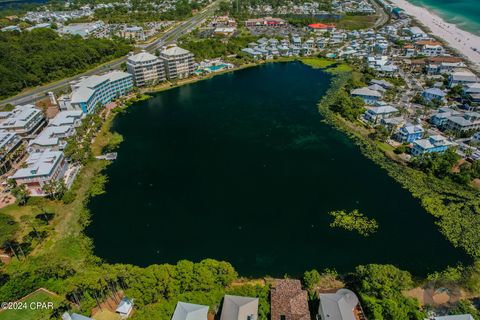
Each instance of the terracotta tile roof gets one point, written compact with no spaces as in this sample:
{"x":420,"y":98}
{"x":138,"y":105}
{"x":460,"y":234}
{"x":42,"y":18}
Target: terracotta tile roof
{"x":289,"y":300}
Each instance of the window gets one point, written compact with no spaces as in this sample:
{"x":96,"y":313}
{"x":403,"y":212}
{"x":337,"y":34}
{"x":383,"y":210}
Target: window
{"x":283,"y":317}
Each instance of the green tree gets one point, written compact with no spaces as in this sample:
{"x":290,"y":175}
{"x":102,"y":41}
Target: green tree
{"x":311,"y":279}
{"x":21,"y":193}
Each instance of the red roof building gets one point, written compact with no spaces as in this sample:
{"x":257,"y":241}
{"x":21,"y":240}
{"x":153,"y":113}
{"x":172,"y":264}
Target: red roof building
{"x":322,"y":27}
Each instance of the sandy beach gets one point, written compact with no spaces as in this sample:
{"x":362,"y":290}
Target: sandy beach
{"x":463,"y":41}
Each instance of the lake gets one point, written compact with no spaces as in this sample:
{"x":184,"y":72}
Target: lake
{"x":240,"y":167}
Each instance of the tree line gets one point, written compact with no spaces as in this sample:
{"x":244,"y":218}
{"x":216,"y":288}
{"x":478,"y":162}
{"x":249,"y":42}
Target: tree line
{"x":29,"y":59}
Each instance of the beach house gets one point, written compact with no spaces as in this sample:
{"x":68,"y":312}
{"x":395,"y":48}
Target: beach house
{"x":239,"y":308}
{"x":434,"y":94}
{"x":432,"y":144}
{"x":368,"y":95}
{"x":375,"y":114}
{"x":462,"y":77}
{"x":190,"y":311}
{"x":409,"y":133}
{"x":341,"y":305}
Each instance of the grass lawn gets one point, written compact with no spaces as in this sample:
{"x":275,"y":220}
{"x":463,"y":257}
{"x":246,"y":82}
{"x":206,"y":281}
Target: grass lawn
{"x":329,"y":65}
{"x":32,"y":312}
{"x":318,"y":63}
{"x":357,"y":22}
{"x":106,"y":315}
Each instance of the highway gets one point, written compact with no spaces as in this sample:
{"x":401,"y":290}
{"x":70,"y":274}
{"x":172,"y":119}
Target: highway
{"x":37,"y":93}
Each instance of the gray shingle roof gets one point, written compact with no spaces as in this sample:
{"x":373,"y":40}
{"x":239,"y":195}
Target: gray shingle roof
{"x":239,"y":308}
{"x":190,"y":311}
{"x":339,"y":305}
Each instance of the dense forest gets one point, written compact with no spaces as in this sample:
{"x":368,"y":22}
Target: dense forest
{"x":33,"y":58}
{"x":146,"y":12}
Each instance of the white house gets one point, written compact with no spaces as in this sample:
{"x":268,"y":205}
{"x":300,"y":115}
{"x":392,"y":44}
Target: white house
{"x":125,"y":307}
{"x":375,"y":114}
{"x":368,"y":95}
{"x":190,"y":311}
{"x":462,"y":77}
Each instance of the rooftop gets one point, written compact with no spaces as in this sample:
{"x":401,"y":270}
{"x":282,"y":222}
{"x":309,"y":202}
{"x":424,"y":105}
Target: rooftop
{"x":239,"y":308}
{"x":39,"y":164}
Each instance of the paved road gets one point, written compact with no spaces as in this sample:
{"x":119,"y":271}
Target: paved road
{"x":383,"y":19}
{"x":170,"y":36}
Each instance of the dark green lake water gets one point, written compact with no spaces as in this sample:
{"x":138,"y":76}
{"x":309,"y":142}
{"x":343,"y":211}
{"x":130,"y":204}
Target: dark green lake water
{"x":240,"y":168}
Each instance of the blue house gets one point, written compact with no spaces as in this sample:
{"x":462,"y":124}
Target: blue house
{"x":433,"y":94}
{"x":440,"y":119}
{"x":409,"y":133}
{"x":432,"y":144}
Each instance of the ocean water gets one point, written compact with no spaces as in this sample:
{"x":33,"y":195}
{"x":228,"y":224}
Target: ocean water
{"x":463,"y":13}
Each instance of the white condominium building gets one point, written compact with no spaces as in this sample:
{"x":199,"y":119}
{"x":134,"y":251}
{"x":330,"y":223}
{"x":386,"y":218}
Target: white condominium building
{"x":23,"y":120}
{"x":41,"y":168}
{"x":178,"y":62}
{"x":91,"y":92}
{"x":145,"y":68}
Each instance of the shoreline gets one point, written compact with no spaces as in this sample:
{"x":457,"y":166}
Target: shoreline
{"x":460,"y":40}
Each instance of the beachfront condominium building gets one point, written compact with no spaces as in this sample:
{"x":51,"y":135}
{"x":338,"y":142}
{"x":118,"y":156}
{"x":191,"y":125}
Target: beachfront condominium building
{"x":145,"y":68}
{"x":41,"y":168}
{"x":178,"y":62}
{"x":91,"y":92}
{"x":23,"y":120}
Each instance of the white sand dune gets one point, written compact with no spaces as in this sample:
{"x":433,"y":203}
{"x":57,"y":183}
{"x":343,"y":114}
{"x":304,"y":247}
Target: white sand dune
{"x":464,"y":42}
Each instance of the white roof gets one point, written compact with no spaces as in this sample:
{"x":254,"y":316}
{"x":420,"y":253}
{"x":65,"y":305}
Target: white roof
{"x":435,"y":91}
{"x":366,"y":92}
{"x":190,"y":311}
{"x":455,"y":317}
{"x":19,"y":117}
{"x":125,"y":306}
{"x":432,"y":142}
{"x":85,"y":88}
{"x":174,"y":51}
{"x":239,"y":308}
{"x":464,"y":75}
{"x":5,"y":138}
{"x":382,"y":110}
{"x":412,"y":128}
{"x":142,"y":57}
{"x":65,"y":117}
{"x":339,"y":305}
{"x":39,"y":164}
{"x":49,"y":136}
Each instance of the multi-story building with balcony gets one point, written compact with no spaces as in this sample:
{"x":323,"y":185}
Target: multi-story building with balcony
{"x":178,"y":62}
{"x":23,"y":120}
{"x":146,"y":69}
{"x":41,"y":168}
{"x":95,"y":91}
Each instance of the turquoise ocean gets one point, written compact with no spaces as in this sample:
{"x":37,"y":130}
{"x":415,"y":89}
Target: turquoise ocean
{"x":463,"y":13}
